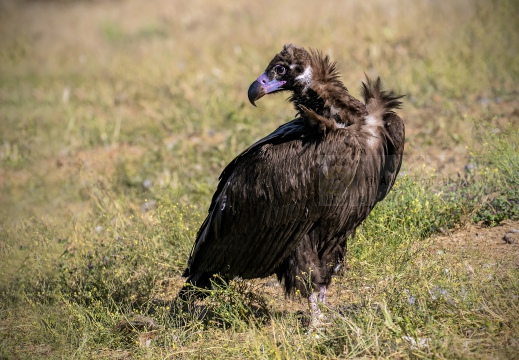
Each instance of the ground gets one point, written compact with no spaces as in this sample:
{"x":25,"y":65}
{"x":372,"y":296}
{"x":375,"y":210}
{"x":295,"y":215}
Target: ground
{"x":116,"y":119}
{"x":500,"y":243}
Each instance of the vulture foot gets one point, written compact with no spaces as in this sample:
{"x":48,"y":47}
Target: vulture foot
{"x":318,"y":319}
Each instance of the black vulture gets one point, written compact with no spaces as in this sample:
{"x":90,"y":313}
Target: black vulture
{"x":288,"y":203}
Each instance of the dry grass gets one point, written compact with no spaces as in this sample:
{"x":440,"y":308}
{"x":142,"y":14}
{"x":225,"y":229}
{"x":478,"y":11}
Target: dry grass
{"x":117,"y":117}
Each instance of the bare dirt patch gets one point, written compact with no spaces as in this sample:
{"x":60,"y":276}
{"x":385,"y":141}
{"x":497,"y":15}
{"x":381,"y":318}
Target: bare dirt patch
{"x":500,"y":243}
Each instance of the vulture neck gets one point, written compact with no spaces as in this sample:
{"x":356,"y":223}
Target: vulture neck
{"x":330,"y":100}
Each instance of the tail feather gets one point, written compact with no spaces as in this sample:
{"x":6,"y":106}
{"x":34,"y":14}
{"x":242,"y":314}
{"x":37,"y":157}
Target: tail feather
{"x":379,"y":102}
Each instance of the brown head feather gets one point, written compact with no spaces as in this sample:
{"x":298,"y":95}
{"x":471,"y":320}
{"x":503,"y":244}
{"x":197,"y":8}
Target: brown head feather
{"x":324,"y":70}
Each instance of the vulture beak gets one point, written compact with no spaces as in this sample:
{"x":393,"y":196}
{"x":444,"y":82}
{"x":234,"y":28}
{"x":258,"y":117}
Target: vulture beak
{"x":263,"y":86}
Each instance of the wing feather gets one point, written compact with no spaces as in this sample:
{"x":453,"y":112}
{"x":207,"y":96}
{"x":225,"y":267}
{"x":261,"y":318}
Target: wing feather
{"x":266,"y":201}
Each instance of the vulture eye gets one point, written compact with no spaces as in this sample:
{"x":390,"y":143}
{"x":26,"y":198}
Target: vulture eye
{"x":280,"y":70}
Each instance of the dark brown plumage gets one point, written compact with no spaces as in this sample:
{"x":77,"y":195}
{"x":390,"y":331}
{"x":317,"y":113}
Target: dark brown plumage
{"x":288,"y":203}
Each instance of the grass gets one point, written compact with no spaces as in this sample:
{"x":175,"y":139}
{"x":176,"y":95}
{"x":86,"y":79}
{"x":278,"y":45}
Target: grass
{"x":116,"y":120}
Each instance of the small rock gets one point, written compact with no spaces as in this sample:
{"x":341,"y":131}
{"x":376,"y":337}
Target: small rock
{"x":418,"y":343}
{"x":147,"y":183}
{"x":136,"y":323}
{"x":510,"y":237}
{"x":148,"y":205}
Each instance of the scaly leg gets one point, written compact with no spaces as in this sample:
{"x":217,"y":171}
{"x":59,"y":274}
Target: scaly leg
{"x":315,"y":312}
{"x":322,"y":294}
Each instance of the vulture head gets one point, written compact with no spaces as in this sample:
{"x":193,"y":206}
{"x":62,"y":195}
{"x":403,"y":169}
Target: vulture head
{"x":312,"y":78}
{"x":290,"y":70}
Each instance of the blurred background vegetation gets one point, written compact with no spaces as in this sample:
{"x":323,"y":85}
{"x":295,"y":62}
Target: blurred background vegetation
{"x":116,"y":118}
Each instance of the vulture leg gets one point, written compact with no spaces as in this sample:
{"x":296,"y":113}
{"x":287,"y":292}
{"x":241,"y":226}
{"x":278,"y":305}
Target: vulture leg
{"x":318,"y":319}
{"x":315,"y":312}
{"x":322,"y":294}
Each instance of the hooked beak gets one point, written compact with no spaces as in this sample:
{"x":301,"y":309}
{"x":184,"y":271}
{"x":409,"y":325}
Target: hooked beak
{"x":263,"y":86}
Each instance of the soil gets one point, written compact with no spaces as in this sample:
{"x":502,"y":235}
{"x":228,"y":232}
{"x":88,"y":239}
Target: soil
{"x":500,"y":243}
